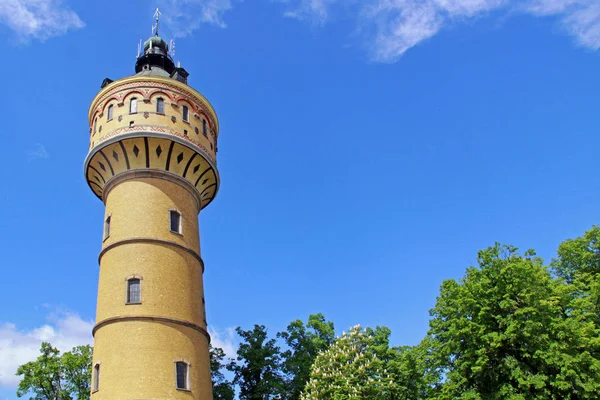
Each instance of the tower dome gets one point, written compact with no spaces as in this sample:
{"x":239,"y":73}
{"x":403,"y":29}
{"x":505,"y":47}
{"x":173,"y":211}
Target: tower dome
{"x":155,"y":55}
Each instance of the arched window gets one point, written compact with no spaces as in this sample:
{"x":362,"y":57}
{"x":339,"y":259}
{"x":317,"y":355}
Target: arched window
{"x":109,"y":113}
{"x":204,"y":127}
{"x":96,"y":378}
{"x":185,"y":113}
{"x":182,"y":370}
{"x":107,"y":227}
{"x":175,"y":221}
{"x":133,"y":106}
{"x":160,"y":105}
{"x":134,"y":291}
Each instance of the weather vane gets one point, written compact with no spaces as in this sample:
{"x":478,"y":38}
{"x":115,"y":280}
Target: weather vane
{"x":155,"y":27}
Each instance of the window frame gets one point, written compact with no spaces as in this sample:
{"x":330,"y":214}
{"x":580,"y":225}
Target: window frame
{"x":107,"y":223}
{"x":188,"y":383}
{"x":133,"y":105}
{"x":96,"y":377}
{"x":180,"y":225}
{"x":160,"y":105}
{"x":185,"y":113}
{"x":109,"y":113}
{"x":127,"y":289}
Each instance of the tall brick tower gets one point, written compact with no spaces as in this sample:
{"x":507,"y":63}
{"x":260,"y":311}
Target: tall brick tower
{"x":152,"y":161}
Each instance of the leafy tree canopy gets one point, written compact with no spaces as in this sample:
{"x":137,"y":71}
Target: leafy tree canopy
{"x":257,"y":370}
{"x":304,"y":344}
{"x":508,"y":330}
{"x":350,"y":370}
{"x":56,"y":377}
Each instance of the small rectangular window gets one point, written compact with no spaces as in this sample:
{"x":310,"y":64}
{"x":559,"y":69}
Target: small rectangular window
{"x":175,"y":222}
{"x":107,"y":227}
{"x":96,"y":378}
{"x":182,"y":375}
{"x":160,"y":105}
{"x":133,"y":106}
{"x":204,"y":127}
{"x":133,"y":291}
{"x":185,"y":112}
{"x":109,"y":113}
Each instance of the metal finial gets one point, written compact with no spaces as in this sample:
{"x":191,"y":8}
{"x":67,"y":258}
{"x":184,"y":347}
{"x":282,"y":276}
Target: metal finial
{"x":139,"y":49}
{"x":156,"y":16}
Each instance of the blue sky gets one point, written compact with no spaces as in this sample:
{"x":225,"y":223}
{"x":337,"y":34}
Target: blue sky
{"x":368,"y":150}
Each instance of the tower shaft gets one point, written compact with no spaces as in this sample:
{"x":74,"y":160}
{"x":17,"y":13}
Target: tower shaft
{"x":140,"y":343}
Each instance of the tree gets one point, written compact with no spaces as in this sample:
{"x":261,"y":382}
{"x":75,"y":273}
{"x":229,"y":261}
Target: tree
{"x":578,"y":263}
{"x":508,"y":330}
{"x":304,"y":344}
{"x":43,"y":377}
{"x":52,"y":377}
{"x":257,"y":371}
{"x":350,"y":370}
{"x":579,"y":258}
{"x":77,"y":368}
{"x":222,"y":389}
{"x":413,"y":373}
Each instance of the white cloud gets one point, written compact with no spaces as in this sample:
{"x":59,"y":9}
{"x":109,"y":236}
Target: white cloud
{"x":225,"y":339}
{"x":64,"y":330}
{"x":314,"y":11}
{"x":391,"y":27}
{"x":185,"y":16}
{"x":38,"y":152}
{"x":402,"y":24}
{"x":38,"y":19}
{"x":579,"y":18}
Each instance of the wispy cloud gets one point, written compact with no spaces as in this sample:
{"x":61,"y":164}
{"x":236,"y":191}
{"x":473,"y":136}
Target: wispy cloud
{"x":38,"y":152}
{"x":313,"y":11}
{"x":225,"y":339}
{"x":64,"y":330}
{"x":392,"y":27}
{"x":402,"y":24}
{"x":38,"y":19}
{"x":185,"y":16}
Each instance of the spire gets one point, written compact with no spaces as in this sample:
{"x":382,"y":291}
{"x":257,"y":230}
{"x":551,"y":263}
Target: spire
{"x":155,"y":27}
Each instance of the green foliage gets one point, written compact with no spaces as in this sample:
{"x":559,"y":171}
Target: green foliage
{"x":52,"y":377}
{"x":222,"y":388}
{"x":77,"y":368}
{"x":508,"y":330}
{"x":579,"y":258}
{"x":257,"y":371}
{"x":304,"y":343}
{"x":413,"y":373}
{"x":351,"y":370}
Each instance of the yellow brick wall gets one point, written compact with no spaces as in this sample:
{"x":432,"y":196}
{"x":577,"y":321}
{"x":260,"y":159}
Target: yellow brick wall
{"x":137,"y":357}
{"x":138,"y":361}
